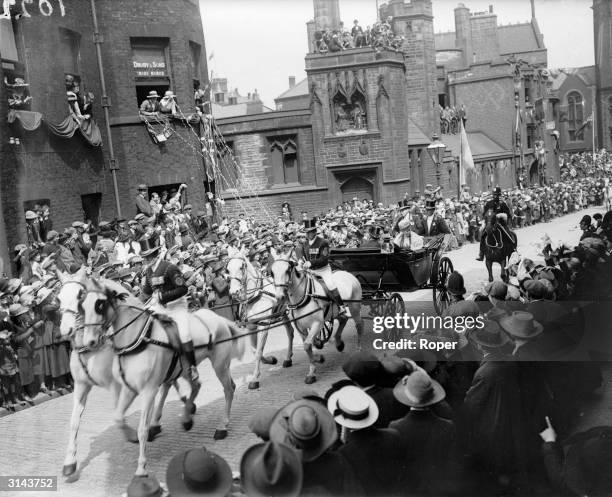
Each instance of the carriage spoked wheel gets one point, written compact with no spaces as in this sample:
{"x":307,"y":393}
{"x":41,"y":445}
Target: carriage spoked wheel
{"x":394,"y":306}
{"x":441,"y":297}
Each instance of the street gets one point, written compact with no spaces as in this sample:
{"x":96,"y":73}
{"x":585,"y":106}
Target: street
{"x":34,"y":440}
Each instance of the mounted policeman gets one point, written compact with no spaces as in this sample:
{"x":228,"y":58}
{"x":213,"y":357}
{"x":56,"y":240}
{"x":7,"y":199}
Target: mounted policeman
{"x":498,"y":208}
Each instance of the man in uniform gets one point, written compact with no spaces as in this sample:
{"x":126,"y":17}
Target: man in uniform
{"x":498,"y":206}
{"x":164,"y":282}
{"x":315,"y":253}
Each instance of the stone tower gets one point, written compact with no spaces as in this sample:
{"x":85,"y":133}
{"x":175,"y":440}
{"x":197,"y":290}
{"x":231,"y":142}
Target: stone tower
{"x":602,"y":21}
{"x":414,"y":20}
{"x":326,"y":14}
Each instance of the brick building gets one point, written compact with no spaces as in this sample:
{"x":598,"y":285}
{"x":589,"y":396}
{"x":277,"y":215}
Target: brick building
{"x":358,"y":126}
{"x":499,"y":73}
{"x":154,"y":45}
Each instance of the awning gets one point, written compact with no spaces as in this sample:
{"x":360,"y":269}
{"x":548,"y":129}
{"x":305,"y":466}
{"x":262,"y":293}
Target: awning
{"x":31,"y":121}
{"x":8,"y":49}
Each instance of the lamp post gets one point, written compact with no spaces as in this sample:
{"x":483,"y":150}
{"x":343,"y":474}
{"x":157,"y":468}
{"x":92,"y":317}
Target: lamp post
{"x":518,"y":142}
{"x":436,"y":150}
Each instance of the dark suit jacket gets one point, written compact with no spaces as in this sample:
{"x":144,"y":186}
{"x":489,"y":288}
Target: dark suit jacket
{"x":374,"y":454}
{"x":143,"y":205}
{"x":492,"y":417}
{"x":438,"y":226}
{"x":330,"y":474}
{"x":428,"y":443}
{"x":388,"y":407}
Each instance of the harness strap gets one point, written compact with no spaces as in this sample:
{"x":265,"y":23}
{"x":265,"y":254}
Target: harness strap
{"x":84,"y":366}
{"x":123,"y":378}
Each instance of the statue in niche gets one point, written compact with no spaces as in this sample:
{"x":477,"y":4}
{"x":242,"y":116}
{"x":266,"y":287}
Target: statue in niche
{"x":350,"y":115}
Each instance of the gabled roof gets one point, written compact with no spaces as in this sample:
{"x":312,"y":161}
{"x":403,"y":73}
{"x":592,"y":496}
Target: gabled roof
{"x":481,"y":145}
{"x":558,"y":76}
{"x":517,"y":38}
{"x":416,"y":135}
{"x":299,"y":90}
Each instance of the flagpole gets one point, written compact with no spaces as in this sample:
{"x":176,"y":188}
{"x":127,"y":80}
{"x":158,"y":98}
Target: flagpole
{"x":460,"y":163}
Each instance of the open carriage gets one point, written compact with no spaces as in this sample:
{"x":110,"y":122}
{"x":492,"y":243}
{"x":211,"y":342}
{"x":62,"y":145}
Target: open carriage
{"x":384,"y":275}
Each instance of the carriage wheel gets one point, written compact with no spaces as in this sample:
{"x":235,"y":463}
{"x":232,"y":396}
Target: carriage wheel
{"x":395,"y":305}
{"x":441,"y":298}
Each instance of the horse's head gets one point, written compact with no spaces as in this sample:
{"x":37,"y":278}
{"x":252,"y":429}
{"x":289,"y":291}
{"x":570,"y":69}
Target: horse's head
{"x":100,"y":308}
{"x":282,"y":269}
{"x":236,"y":268}
{"x":70,"y":297}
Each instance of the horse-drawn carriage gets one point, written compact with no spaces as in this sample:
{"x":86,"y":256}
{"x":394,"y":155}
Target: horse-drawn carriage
{"x":383,"y":275}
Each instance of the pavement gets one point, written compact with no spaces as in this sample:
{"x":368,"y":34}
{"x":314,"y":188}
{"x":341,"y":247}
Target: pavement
{"x":34,"y":440}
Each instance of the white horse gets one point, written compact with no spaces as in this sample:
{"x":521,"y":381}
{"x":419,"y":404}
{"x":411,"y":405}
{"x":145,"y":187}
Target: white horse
{"x":144,"y":352}
{"x":309,"y":305}
{"x":258,"y":308}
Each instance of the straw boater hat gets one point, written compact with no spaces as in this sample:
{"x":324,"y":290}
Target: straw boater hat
{"x":271,"y":469}
{"x":418,"y":390}
{"x":198,"y":472}
{"x":521,"y":324}
{"x":305,"y":425}
{"x":353,"y":408}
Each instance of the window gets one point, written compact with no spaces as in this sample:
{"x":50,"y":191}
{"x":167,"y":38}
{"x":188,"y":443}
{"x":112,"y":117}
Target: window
{"x":284,"y":159}
{"x":195,"y":51}
{"x":531,"y":138}
{"x":219,"y":98}
{"x":91,"y":203}
{"x":69,"y":52}
{"x":527,"y":83}
{"x":150,"y":65}
{"x":233,"y":100}
{"x":575,"y":118}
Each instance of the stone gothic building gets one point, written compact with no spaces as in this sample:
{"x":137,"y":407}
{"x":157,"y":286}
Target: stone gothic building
{"x":359,"y":126}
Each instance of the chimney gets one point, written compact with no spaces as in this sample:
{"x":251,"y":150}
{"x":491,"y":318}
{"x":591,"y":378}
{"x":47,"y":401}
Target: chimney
{"x":533,"y":9}
{"x":249,"y":96}
{"x":291,"y":81}
{"x":490,"y":9}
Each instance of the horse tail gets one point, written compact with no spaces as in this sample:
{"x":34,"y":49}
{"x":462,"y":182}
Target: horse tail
{"x":240,"y":342}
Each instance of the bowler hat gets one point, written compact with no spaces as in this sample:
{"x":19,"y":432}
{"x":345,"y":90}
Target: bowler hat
{"x":198,"y":472}
{"x":305,"y":425}
{"x":271,"y":469}
{"x":496,"y":290}
{"x":363,"y":368}
{"x":455,"y":284}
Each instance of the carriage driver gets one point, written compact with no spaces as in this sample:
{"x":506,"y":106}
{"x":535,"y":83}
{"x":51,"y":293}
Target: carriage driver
{"x":315,"y":254}
{"x":164,"y":282}
{"x":498,"y":206}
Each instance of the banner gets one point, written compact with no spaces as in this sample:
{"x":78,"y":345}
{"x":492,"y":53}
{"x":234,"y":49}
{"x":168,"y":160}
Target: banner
{"x":466,"y":164}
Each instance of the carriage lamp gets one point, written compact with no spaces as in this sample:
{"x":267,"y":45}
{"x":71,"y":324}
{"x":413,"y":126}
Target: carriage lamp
{"x":436,"y":150}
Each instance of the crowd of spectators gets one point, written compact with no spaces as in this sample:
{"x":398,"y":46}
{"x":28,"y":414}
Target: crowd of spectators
{"x":379,"y":36}
{"x":450,"y":119}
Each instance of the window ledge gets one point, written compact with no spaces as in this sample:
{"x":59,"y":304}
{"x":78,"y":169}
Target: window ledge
{"x":356,"y":134}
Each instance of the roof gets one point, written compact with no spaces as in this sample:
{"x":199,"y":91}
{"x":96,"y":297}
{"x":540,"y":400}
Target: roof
{"x":481,"y":145}
{"x":416,"y":135}
{"x":517,"y":38}
{"x":445,"y":41}
{"x":221,"y":111}
{"x":558,"y":76}
{"x":299,"y":90}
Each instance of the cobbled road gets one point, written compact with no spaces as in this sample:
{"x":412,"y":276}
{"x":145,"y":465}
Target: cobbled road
{"x":34,"y":440}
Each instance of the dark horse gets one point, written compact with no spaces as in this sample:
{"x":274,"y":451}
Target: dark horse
{"x":500,"y":242}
